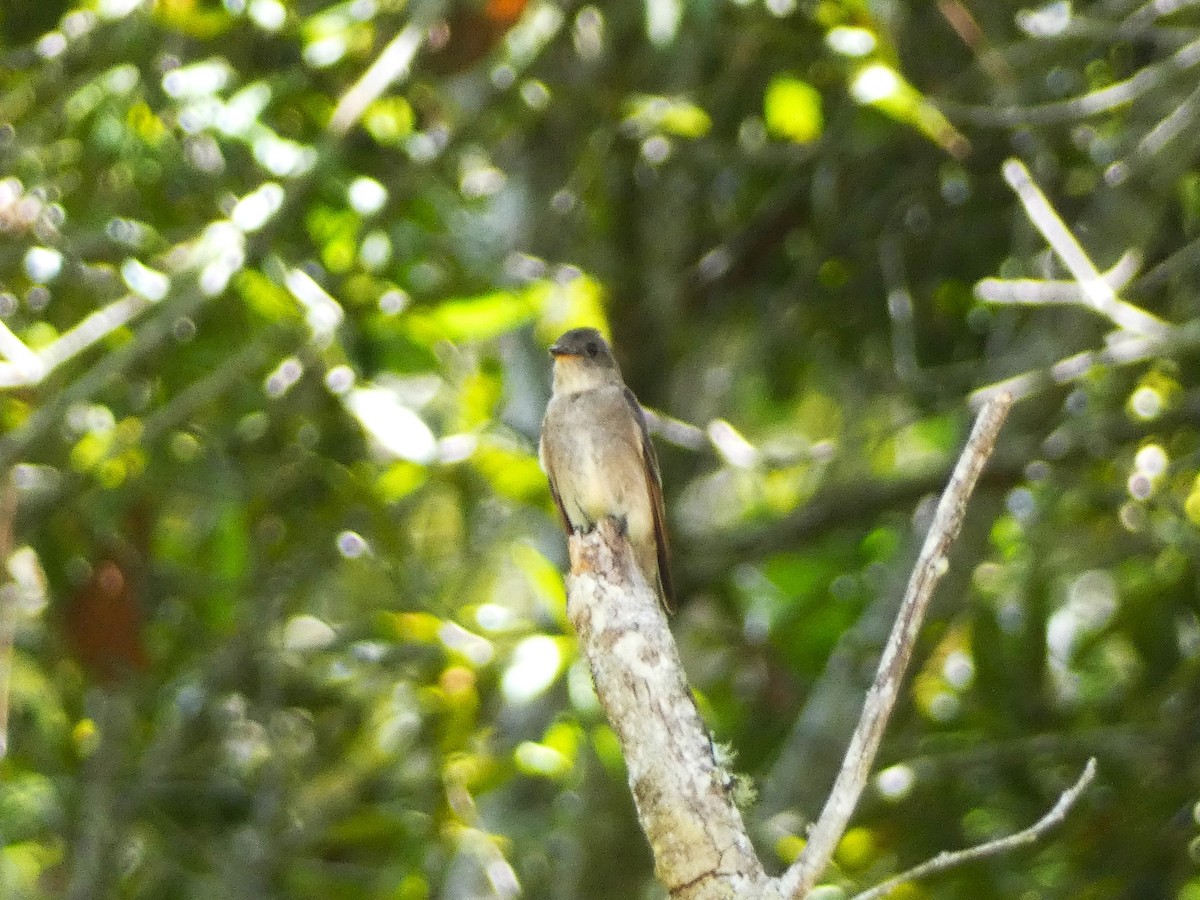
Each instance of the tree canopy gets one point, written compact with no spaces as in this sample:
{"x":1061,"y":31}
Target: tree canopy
{"x":285,"y":595}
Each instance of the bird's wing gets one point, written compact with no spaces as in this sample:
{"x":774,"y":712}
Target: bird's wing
{"x":654,"y":489}
{"x":547,"y":461}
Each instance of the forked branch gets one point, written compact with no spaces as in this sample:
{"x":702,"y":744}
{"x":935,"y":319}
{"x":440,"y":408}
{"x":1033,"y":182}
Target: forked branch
{"x":684,"y":796}
{"x":881,"y":698}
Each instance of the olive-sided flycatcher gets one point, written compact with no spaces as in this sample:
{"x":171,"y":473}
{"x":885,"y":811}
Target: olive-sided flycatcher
{"x":598,"y":456}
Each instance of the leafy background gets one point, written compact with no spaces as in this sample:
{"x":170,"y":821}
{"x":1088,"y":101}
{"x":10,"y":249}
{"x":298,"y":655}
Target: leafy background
{"x":285,"y":585}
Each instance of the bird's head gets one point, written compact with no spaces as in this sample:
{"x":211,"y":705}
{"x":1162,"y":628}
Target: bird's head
{"x":583,"y":360}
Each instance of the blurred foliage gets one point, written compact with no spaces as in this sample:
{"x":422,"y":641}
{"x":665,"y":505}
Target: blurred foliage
{"x":285,"y":575}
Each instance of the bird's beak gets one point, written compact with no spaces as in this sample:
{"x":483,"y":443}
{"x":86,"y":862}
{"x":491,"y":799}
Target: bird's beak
{"x":557,"y":350}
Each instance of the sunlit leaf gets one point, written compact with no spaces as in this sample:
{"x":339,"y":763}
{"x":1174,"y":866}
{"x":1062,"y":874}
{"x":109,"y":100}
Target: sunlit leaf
{"x":191,"y":19}
{"x":880,"y":544}
{"x":671,"y":115}
{"x":792,"y":109}
{"x":145,"y":124}
{"x":472,"y":319}
{"x":856,"y":848}
{"x":608,"y":750}
{"x":389,"y":120}
{"x":478,"y":396}
{"x":263,"y":295}
{"x":336,"y":232}
{"x":921,"y":445}
{"x":539,"y":759}
{"x":400,"y":479}
{"x":788,"y":848}
{"x":39,"y":335}
{"x":543,"y":575}
{"x":511,"y":472}
{"x":23,"y":865}
{"x":885,"y":89}
{"x":414,"y":626}
{"x":576,"y":302}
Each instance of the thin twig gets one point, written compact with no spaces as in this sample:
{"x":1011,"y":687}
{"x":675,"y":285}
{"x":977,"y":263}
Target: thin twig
{"x":952,"y":859}
{"x":1150,"y":12}
{"x":959,"y":18}
{"x":881,"y":698}
{"x":1123,"y":349}
{"x":1098,"y":293}
{"x":1077,"y":108}
{"x":676,"y":431}
{"x":1166,"y":130}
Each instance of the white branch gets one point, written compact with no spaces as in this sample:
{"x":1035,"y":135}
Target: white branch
{"x":393,"y":64}
{"x":952,"y":859}
{"x":881,"y":698}
{"x":24,"y":363}
{"x":1139,"y":335}
{"x":1098,"y":293}
{"x":1123,"y":349}
{"x":1049,"y":291}
{"x":29,"y":367}
{"x":1104,"y":99}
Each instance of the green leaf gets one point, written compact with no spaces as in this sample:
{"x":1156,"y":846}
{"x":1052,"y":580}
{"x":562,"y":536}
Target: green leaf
{"x":575,"y":303}
{"x":510,"y":472}
{"x":230,"y":550}
{"x":399,"y":480}
{"x":792,"y":109}
{"x":671,"y":115}
{"x":389,"y":121}
{"x":473,"y":319}
{"x":886,"y":89}
{"x":264,"y":296}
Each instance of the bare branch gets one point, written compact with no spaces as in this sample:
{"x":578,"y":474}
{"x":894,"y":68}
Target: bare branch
{"x":148,"y":337}
{"x":1179,"y":121}
{"x":28,"y":367}
{"x":676,"y":431}
{"x":683,"y":796}
{"x":1098,"y":293}
{"x":881,"y":698}
{"x":1139,"y":335}
{"x":1150,"y":12}
{"x":1103,"y":100}
{"x":952,"y":859}
{"x":730,"y":446}
{"x":1047,"y":291}
{"x":393,"y":64}
{"x":24,"y":366}
{"x":1122,"y":349}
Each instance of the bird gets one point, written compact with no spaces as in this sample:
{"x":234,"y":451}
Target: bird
{"x":597,"y":454}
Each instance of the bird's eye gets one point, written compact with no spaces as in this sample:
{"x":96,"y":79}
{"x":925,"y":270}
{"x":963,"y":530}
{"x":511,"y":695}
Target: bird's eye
{"x":592,"y":349}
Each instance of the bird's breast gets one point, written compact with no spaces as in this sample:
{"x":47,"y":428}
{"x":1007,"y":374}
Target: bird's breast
{"x":593,"y":449}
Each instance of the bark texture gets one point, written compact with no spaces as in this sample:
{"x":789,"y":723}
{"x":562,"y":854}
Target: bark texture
{"x":683,"y":797}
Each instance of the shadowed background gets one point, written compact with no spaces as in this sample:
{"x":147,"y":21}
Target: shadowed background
{"x":276,"y":284}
